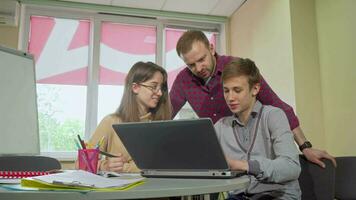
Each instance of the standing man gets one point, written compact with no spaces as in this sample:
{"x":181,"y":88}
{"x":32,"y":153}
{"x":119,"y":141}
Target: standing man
{"x":200,"y":84}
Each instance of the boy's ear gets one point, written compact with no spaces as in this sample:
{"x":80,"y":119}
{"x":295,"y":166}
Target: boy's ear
{"x":256,"y":89}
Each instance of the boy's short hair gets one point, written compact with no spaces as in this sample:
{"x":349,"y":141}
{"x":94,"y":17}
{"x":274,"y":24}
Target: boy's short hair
{"x":185,"y":42}
{"x":242,"y":67}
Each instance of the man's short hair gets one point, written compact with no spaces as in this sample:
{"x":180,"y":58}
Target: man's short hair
{"x":242,"y":67}
{"x":185,"y":42}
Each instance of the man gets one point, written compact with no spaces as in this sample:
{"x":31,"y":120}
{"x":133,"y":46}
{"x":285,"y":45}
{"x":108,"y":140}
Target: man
{"x":257,"y":138}
{"x":200,"y":84}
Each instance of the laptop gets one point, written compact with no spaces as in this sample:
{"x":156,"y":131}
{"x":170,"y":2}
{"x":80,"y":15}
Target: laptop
{"x":175,"y":148}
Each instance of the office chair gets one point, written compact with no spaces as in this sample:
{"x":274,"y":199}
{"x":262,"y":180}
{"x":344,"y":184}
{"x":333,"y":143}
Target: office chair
{"x":28,"y":163}
{"x":315,"y":182}
{"x":345,"y":180}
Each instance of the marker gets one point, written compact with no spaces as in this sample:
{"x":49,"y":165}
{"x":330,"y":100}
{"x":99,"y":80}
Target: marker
{"x":76,"y":144}
{"x":81,"y":142}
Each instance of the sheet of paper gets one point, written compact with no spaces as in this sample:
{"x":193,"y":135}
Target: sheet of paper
{"x":116,"y":174}
{"x":10,"y":180}
{"x":83,"y":178}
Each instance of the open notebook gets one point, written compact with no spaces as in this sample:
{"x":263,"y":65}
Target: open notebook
{"x":79,"y":180}
{"x":175,"y":148}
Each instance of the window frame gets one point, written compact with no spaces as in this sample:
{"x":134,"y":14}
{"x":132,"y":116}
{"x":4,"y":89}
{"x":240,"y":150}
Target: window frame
{"x":27,"y":10}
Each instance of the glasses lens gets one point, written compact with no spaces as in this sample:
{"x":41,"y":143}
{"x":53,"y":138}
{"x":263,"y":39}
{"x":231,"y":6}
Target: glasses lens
{"x":155,"y":89}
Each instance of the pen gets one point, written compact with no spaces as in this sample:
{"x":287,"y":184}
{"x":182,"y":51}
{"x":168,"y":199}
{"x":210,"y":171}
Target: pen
{"x":88,"y":145}
{"x":107,"y":154}
{"x":100,"y":142}
{"x":81,"y":142}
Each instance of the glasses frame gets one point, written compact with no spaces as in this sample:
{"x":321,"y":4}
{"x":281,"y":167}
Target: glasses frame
{"x":154,"y":89}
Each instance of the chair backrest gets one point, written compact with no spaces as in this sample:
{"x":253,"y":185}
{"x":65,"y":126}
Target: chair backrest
{"x":316,"y":182}
{"x":28,"y":163}
{"x":345,"y":180}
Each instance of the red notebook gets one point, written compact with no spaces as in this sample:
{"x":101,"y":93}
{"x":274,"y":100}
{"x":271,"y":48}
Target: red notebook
{"x":21,"y":174}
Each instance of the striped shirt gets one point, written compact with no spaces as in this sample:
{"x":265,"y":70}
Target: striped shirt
{"x":207,"y":100}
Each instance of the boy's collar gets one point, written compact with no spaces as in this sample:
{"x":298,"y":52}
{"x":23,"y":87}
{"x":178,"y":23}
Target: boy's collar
{"x":256,"y":108}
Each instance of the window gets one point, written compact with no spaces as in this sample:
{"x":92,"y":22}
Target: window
{"x":121,"y":46}
{"x":174,"y":64}
{"x":60,"y":48}
{"x":81,"y":62}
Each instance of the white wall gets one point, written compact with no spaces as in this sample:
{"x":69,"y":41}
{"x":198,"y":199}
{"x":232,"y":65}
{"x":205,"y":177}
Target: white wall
{"x":260,"y":30}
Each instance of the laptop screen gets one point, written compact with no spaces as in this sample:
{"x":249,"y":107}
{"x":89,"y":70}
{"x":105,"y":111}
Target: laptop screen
{"x":173,"y":144}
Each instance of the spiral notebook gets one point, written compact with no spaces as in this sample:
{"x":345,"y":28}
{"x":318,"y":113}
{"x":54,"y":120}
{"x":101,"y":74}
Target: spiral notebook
{"x":13,"y":177}
{"x":21,"y":174}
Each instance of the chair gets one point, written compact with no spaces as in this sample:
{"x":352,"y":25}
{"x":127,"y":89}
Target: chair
{"x":345,"y":180}
{"x":28,"y":163}
{"x":315,"y":182}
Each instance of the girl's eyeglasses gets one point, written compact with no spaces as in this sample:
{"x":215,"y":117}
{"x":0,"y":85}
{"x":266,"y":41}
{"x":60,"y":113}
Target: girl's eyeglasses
{"x":154,"y":89}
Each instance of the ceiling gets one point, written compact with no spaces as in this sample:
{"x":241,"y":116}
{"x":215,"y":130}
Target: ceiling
{"x":206,"y":7}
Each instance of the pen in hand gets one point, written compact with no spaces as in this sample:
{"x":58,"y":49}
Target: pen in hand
{"x":103,"y":152}
{"x":107,"y":154}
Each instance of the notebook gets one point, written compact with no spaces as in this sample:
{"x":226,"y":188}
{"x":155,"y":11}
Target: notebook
{"x":21,"y":174}
{"x":80,"y":180}
{"x":175,"y":148}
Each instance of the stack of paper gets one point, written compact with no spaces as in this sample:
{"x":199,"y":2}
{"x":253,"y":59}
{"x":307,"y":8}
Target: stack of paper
{"x":78,"y":179}
{"x":10,"y":181}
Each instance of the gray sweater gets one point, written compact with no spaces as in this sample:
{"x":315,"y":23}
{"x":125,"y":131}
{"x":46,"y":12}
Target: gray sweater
{"x":270,"y":151}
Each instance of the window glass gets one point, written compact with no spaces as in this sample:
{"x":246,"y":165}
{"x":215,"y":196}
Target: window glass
{"x":60,"y":48}
{"x":174,"y":64}
{"x":121,"y":46}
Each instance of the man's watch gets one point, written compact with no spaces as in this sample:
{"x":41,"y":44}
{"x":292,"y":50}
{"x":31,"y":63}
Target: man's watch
{"x":305,"y":145}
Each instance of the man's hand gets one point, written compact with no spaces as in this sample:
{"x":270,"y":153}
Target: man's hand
{"x":315,"y":156}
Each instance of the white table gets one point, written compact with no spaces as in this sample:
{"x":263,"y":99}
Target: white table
{"x":152,"y":188}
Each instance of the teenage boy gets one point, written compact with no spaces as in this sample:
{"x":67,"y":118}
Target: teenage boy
{"x":257,"y":138}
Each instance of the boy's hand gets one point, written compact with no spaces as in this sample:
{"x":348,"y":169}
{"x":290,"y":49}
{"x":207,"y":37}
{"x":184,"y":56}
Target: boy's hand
{"x":237,"y":164}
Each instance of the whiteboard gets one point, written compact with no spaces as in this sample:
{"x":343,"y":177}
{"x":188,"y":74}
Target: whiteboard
{"x":18,"y":106}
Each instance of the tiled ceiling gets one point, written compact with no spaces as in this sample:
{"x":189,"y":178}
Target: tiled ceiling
{"x":206,"y":7}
